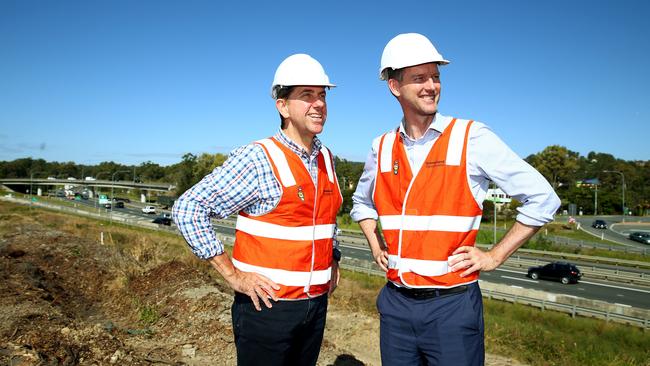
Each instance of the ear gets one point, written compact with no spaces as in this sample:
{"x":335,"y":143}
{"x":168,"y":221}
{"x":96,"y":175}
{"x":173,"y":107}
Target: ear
{"x":394,"y":86}
{"x":282,"y":106}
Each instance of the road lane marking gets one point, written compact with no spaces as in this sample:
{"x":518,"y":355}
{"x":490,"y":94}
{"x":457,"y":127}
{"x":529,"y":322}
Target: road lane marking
{"x":618,"y":287}
{"x":519,"y":279}
{"x":624,"y":305}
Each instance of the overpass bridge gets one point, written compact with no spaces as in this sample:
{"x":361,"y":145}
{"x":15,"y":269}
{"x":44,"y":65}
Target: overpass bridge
{"x":28,"y":184}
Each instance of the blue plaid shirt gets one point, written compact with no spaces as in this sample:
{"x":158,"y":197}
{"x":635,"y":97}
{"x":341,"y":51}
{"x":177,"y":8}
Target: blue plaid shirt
{"x":244,"y":182}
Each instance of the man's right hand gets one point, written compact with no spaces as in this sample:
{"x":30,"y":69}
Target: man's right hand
{"x":381,"y":258}
{"x":256,"y":286}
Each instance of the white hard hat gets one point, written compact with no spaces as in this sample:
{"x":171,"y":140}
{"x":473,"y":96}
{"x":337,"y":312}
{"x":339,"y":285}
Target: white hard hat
{"x":408,"y":49}
{"x":299,"y":69}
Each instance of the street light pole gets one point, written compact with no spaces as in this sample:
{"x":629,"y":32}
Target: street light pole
{"x":97,"y":177}
{"x":112,"y":190}
{"x":622,"y":189}
{"x":596,"y":201}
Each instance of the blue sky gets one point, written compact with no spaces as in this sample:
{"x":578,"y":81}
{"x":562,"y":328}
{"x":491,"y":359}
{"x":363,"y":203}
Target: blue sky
{"x":134,"y":81}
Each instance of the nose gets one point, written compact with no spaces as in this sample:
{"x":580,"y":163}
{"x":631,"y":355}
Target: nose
{"x":318,"y":103}
{"x":430,"y":84}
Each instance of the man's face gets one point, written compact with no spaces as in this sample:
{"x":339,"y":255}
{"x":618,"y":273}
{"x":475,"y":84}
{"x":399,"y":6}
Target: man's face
{"x":305,"y":108}
{"x":419,"y":90}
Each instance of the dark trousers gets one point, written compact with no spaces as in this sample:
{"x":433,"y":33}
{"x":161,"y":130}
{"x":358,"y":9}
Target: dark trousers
{"x":440,"y":331}
{"x":289,"y":333}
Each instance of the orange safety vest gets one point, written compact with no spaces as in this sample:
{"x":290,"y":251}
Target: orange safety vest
{"x":292,"y":244}
{"x":426,"y":217}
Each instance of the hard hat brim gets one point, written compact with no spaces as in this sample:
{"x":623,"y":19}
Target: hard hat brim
{"x":274,"y":88}
{"x":439,"y":62}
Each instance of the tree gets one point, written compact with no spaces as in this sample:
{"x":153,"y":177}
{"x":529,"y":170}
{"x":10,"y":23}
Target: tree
{"x":185,"y":173}
{"x":206,"y":163}
{"x":557,"y":164}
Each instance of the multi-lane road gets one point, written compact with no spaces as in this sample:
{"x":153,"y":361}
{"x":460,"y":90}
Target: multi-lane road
{"x":617,"y":229}
{"x":611,"y":292}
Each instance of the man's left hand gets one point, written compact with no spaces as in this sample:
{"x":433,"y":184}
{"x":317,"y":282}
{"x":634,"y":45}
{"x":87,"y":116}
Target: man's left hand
{"x":471,"y":259}
{"x":336,"y":276}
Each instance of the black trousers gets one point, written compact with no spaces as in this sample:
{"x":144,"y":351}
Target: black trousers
{"x":289,"y":333}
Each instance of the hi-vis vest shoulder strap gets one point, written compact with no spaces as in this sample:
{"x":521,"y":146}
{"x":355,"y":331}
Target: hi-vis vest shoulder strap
{"x":424,"y":218}
{"x":292,"y":244}
{"x":454,"y":149}
{"x":280,"y":161}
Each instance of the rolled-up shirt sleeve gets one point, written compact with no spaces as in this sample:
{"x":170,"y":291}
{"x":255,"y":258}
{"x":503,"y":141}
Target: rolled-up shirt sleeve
{"x":227,"y":190}
{"x":363,"y":206}
{"x":490,"y":158}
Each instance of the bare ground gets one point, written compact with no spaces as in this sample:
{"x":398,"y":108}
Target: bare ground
{"x":66,"y":299}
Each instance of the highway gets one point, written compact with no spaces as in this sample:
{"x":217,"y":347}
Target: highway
{"x":356,"y":247}
{"x":610,"y":292}
{"x":617,"y":230}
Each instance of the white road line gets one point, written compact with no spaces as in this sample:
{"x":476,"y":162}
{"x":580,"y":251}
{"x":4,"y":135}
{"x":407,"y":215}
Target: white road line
{"x":625,"y":305}
{"x":618,"y":287}
{"x":510,"y":270}
{"x":519,"y":279}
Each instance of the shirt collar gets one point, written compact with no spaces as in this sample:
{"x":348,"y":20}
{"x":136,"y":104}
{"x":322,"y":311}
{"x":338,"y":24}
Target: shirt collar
{"x":439,"y":123}
{"x":298,"y":150}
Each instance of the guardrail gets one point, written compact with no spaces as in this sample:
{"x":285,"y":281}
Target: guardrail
{"x":576,"y":243}
{"x":372,"y":269}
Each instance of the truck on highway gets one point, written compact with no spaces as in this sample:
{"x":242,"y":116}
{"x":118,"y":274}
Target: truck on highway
{"x":104,"y":201}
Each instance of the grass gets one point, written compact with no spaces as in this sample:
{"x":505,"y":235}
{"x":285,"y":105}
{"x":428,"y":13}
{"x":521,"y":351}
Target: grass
{"x":539,"y":338}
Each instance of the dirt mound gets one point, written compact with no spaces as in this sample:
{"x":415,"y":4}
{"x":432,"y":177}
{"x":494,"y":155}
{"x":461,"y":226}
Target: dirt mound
{"x":67,"y":299}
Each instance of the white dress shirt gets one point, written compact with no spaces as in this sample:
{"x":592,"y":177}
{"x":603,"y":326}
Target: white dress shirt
{"x":488,"y":159}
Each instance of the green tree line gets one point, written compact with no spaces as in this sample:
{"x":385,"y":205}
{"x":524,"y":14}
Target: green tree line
{"x":574,"y":177}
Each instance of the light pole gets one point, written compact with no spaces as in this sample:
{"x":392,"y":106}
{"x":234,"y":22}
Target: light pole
{"x":97,"y":177}
{"x":596,"y":201}
{"x":622,"y":189}
{"x":112,"y":188}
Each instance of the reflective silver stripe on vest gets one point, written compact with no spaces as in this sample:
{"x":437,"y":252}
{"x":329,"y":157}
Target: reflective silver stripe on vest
{"x":328,"y":163}
{"x":456,"y":142}
{"x":387,"y":152}
{"x":287,"y":278}
{"x":430,"y":223}
{"x":280,"y":160}
{"x":419,"y":266}
{"x":274,"y":231}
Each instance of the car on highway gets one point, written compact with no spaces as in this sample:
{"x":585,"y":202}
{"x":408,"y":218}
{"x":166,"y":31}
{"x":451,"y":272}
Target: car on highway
{"x":599,"y":224}
{"x":563,"y":271}
{"x":119,"y":204}
{"x":149,"y":209}
{"x":640,"y":237}
{"x":162,"y":221}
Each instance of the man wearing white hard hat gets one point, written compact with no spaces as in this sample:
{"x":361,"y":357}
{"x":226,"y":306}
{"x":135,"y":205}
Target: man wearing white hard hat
{"x":285,"y":257}
{"x":425,"y":181}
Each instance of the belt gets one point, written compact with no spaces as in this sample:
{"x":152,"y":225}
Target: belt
{"x":427,"y":293}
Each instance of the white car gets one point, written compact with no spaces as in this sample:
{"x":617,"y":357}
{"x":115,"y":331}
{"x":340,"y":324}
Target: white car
{"x":149,"y":209}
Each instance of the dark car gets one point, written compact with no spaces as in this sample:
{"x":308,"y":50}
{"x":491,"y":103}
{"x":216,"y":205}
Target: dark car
{"x":562,"y":271}
{"x":162,"y":221}
{"x":599,"y":224}
{"x":119,"y":204}
{"x":640,"y":237}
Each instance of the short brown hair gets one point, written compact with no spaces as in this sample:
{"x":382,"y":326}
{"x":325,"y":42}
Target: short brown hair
{"x":282,"y":92}
{"x":397,"y":74}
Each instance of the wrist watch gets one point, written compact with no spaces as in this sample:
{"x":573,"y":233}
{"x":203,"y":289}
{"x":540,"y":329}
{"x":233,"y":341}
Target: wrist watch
{"x":336,"y":254}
